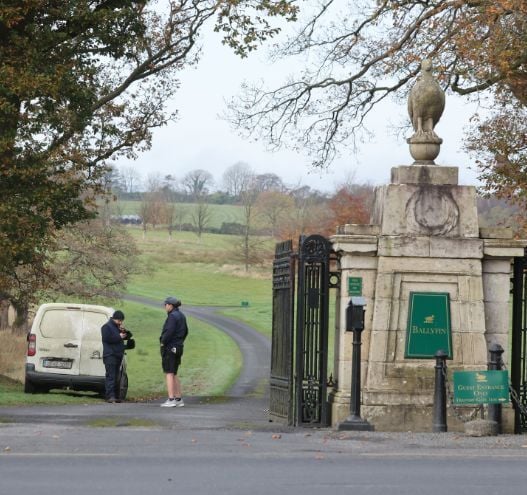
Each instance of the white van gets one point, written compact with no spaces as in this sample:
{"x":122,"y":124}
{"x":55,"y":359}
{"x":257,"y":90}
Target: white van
{"x":65,"y":349}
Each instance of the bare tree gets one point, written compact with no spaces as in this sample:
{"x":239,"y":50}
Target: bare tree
{"x":201,"y":215}
{"x":306,"y":216}
{"x":180,"y":215}
{"x":169,"y":186}
{"x":170,"y":216}
{"x":154,"y":203}
{"x":93,"y":260}
{"x":248,"y":196}
{"x":273,"y":206}
{"x":236,"y":177}
{"x":130,"y":177}
{"x":268,"y":182}
{"x":197,"y":183}
{"x":359,"y":53}
{"x":144,"y":213}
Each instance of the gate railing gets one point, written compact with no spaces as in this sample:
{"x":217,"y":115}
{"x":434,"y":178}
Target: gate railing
{"x":281,"y":383}
{"x":299,"y":352}
{"x":312,"y":330}
{"x":519,"y":342}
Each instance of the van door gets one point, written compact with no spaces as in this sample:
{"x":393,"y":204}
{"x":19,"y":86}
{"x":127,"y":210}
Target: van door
{"x":91,"y":350}
{"x":59,"y":348}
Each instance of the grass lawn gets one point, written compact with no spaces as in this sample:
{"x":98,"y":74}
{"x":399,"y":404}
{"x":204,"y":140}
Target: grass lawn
{"x":218,"y":213}
{"x":208,"y":281}
{"x":12,"y":394}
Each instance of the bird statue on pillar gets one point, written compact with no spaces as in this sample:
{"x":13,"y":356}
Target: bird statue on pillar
{"x":426,"y":102}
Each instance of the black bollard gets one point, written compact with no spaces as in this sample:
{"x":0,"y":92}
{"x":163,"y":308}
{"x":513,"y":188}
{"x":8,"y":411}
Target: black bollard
{"x":495,"y":351}
{"x":439,"y":421}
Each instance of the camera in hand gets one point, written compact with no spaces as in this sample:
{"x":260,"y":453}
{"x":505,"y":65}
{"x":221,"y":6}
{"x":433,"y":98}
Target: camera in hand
{"x":130,"y":344}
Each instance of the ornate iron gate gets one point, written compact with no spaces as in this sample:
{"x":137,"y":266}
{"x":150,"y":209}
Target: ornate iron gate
{"x":519,"y":342}
{"x":298,"y":391}
{"x":312,"y":330}
{"x":281,"y":387}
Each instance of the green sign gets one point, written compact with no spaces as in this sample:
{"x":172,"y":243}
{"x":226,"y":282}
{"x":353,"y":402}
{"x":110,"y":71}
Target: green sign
{"x":354,"y":286}
{"x":428,"y":328}
{"x":481,"y":387}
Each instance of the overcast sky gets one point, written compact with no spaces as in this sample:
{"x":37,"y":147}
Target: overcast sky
{"x":201,"y":140}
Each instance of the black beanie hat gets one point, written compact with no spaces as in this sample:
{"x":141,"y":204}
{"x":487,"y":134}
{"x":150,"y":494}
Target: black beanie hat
{"x":118,"y":315}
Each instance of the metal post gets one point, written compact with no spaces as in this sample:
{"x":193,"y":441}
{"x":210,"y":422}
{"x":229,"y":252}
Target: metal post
{"x":355,"y":376}
{"x":354,"y":421}
{"x":494,"y":363}
{"x":439,"y":420}
{"x":517,"y":327}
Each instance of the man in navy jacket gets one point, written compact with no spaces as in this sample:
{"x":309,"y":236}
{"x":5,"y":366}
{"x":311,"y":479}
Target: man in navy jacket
{"x":112,"y":353}
{"x":173,"y":335}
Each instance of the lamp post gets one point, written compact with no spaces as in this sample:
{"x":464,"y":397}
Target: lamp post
{"x":355,"y":323}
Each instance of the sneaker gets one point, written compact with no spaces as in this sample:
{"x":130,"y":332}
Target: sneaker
{"x":112,"y":400}
{"x":169,"y":403}
{"x":179,"y":402}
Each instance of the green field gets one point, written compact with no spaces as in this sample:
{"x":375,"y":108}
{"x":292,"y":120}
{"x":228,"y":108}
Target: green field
{"x":218,"y":213}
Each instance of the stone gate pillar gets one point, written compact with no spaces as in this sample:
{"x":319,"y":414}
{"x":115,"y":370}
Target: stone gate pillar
{"x":423,"y":239}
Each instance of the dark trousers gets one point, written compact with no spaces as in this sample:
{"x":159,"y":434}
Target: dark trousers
{"x":111,"y":383}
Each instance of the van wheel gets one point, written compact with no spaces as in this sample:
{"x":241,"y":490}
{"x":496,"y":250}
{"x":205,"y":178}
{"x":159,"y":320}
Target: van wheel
{"x":29,"y":388}
{"x":123,"y":385}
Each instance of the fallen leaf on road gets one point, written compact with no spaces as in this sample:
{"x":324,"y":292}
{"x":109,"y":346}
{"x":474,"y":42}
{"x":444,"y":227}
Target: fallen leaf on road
{"x":276,"y":436}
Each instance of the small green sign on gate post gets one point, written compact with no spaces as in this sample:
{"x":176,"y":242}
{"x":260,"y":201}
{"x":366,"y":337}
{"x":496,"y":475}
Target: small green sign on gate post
{"x":428,"y":329}
{"x":354,"y":286}
{"x":481,"y":387}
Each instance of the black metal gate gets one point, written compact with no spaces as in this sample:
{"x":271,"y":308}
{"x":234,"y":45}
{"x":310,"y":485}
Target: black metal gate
{"x":519,"y":342}
{"x":281,"y":386}
{"x":312,"y":330}
{"x":298,"y":390}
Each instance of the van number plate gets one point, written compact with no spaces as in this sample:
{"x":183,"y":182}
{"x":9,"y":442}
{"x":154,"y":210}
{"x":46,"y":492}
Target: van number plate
{"x":53,"y":363}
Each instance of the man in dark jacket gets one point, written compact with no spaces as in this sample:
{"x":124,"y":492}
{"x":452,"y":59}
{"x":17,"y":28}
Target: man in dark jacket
{"x":112,"y":353}
{"x":173,"y":335}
